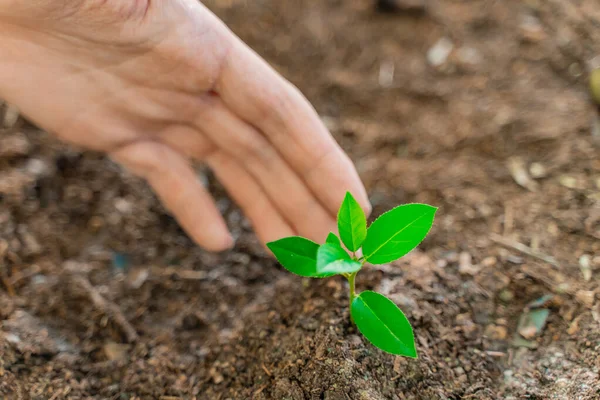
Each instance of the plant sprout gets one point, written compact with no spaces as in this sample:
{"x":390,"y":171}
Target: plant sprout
{"x":389,"y":237}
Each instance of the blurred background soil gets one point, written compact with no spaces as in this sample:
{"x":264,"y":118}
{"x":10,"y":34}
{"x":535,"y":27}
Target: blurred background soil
{"x":479,"y":107}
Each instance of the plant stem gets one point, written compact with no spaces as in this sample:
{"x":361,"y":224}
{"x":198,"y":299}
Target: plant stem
{"x":351,"y":279}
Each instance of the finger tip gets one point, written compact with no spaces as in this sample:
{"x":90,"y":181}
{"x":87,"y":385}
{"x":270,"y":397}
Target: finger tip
{"x":367,"y":208}
{"x":218,"y":242}
{"x":229,"y":242}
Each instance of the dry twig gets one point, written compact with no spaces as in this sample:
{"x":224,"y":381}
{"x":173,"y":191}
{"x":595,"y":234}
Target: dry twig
{"x":524,"y":249}
{"x":109,"y":308}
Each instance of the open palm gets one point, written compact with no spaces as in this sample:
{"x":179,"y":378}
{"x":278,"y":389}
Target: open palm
{"x":158,"y":84}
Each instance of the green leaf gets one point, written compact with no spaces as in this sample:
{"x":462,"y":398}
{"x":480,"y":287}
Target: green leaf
{"x":332,"y":258}
{"x":397,"y":232}
{"x":333,"y":239}
{"x":352,"y":223}
{"x":383,"y":324}
{"x":298,"y":255}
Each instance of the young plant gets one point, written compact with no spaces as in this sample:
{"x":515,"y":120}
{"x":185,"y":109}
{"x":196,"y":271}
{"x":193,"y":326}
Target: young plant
{"x":391,"y":236}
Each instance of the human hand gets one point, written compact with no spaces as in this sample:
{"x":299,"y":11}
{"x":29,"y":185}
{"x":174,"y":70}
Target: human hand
{"x":158,"y":84}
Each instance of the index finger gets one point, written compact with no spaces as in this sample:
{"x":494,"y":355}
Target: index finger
{"x":259,"y":95}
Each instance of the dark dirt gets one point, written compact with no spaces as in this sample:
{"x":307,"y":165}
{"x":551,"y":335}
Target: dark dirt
{"x":102,"y":296}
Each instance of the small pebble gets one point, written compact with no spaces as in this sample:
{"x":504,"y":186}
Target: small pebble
{"x":123,"y":206}
{"x":531,"y":29}
{"x":489,"y":261}
{"x":575,"y":70}
{"x":495,"y":332}
{"x":38,"y":168}
{"x":115,"y":351}
{"x":137,"y":277}
{"x":586,"y":297}
{"x":568,"y":181}
{"x":537,"y":170}
{"x":465,"y":264}
{"x":506,"y":296}
{"x":585,"y":265}
{"x":439,"y":53}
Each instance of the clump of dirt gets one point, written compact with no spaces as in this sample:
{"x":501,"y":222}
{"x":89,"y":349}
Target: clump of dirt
{"x":480,"y":108}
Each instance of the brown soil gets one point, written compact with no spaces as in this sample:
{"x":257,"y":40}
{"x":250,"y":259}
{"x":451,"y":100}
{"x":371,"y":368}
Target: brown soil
{"x":103,"y":296}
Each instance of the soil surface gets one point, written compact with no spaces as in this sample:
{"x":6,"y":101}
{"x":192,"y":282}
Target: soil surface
{"x":479,"y":107}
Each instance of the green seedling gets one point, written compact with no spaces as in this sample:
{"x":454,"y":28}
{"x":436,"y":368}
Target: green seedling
{"x":390,"y":237}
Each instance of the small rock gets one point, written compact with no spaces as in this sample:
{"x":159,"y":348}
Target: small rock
{"x":568,"y":182}
{"x":489,"y":261}
{"x":537,"y":170}
{"x":355,"y":340}
{"x":465,"y":264}
{"x":386,"y":73}
{"x":586,"y":297}
{"x":439,"y":53}
{"x":575,"y":70}
{"x":585,"y":265}
{"x":564,"y":287}
{"x":495,"y":332}
{"x":38,"y":168}
{"x":14,"y":145}
{"x":39,"y":280}
{"x":115,"y":351}
{"x":123,"y":206}
{"x":531,"y":29}
{"x":136,"y":277}
{"x":506,"y":296}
